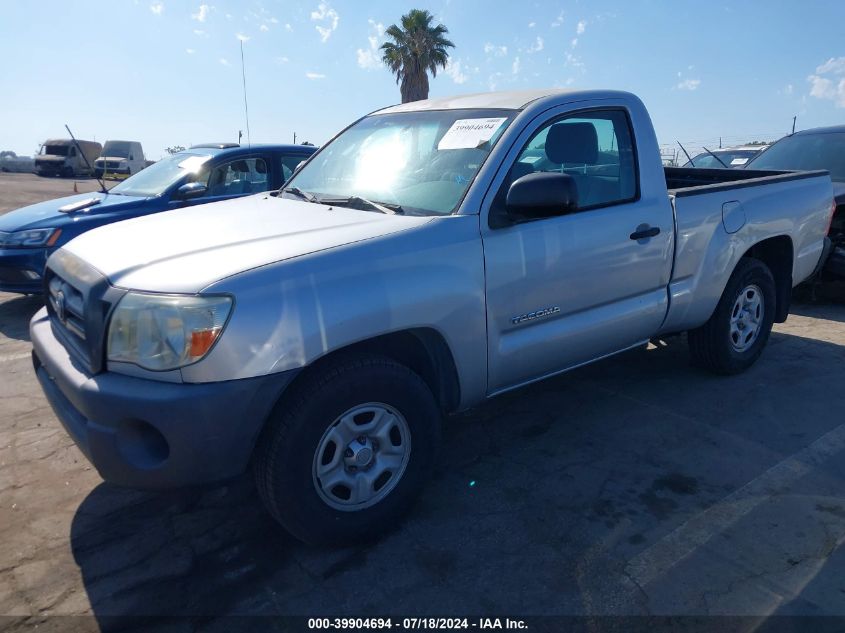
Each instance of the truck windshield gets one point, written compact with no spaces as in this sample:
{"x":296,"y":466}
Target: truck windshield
{"x":806,"y":152}
{"x":735,"y":158}
{"x":415,"y":162}
{"x":158,"y":177}
{"x":116,"y":149}
{"x":54,"y":150}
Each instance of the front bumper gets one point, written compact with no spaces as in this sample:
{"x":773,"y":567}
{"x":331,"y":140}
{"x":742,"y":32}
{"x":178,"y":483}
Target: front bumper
{"x":17,"y":266}
{"x":150,"y":434}
{"x":117,"y":174}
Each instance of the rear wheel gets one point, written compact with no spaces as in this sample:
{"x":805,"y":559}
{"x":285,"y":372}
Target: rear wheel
{"x":737,"y":331}
{"x":347,"y":450}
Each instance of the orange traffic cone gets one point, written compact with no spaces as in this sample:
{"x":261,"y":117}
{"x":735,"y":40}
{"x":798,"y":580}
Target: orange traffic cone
{"x":75,"y":190}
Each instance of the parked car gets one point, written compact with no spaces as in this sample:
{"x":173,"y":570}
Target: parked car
{"x":201,"y":174}
{"x":728,"y":157}
{"x":120,"y":159}
{"x":60,"y":157}
{"x":434,"y":254}
{"x":818,"y":148}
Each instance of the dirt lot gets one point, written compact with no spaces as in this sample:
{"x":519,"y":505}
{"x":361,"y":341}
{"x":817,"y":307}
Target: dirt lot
{"x":17,"y":190}
{"x":638,"y":485}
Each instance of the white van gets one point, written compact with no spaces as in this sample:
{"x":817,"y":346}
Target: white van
{"x":120,"y":159}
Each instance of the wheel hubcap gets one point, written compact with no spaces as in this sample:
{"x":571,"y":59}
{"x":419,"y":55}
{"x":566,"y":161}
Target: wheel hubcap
{"x":362,"y":456}
{"x":746,"y":318}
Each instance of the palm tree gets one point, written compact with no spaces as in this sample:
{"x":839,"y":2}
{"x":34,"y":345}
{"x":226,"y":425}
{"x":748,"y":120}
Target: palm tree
{"x":417,"y":49}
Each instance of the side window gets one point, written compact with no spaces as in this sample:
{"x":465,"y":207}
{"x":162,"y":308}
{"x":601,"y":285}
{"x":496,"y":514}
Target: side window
{"x":289,"y":164}
{"x":595,"y":148}
{"x":238,"y":177}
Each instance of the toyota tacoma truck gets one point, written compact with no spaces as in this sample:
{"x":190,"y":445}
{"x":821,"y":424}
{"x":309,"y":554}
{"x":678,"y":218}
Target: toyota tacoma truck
{"x":432,"y":255}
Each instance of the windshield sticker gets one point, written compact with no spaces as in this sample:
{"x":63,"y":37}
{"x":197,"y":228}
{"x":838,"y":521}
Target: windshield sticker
{"x":470,"y":133}
{"x":193,"y":163}
{"x":739,"y":161}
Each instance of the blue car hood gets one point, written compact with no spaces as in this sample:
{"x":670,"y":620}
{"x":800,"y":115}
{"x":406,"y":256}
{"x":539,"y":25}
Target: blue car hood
{"x":47,"y":215}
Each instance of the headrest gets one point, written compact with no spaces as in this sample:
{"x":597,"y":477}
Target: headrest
{"x":572,"y":143}
{"x":240,"y":166}
{"x":260,"y":167}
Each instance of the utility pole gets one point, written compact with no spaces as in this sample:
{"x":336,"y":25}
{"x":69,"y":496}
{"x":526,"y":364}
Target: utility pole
{"x":246,"y":106}
{"x":793,"y":123}
{"x":294,"y":138}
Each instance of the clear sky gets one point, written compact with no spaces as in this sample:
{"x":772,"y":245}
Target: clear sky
{"x":168,"y":72}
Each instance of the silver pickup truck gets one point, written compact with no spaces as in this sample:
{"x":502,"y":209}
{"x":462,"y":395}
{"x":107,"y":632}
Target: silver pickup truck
{"x":432,"y":255}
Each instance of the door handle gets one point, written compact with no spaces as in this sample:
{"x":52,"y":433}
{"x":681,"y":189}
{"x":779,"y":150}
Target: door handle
{"x":644,"y":232}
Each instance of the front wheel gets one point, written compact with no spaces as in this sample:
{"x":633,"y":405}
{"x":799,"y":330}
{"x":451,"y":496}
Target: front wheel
{"x":737,"y":331}
{"x":347,"y":450}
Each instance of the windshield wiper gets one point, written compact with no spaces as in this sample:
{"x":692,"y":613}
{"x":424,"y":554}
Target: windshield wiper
{"x":716,"y":157}
{"x":299,"y":193}
{"x":383,"y":207}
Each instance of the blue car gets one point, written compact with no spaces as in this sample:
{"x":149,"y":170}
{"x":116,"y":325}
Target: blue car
{"x":199,"y":175}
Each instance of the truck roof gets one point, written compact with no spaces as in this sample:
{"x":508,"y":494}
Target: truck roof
{"x":67,"y":141}
{"x":505,"y":100}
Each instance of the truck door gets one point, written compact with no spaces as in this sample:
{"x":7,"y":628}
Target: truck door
{"x":564,"y":290}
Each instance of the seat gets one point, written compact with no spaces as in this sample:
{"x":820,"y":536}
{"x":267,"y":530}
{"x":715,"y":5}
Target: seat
{"x":241,"y":184}
{"x":575,"y":143}
{"x":260,"y":183}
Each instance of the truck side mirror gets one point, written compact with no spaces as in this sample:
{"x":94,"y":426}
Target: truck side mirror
{"x":191,"y":190}
{"x":541,"y":195}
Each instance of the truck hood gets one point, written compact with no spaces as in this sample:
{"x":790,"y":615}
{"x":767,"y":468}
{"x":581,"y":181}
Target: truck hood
{"x":188,"y":249}
{"x":47,"y":215}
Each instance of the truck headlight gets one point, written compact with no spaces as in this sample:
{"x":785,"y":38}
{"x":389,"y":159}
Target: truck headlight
{"x":31,"y":238}
{"x":162,"y":332}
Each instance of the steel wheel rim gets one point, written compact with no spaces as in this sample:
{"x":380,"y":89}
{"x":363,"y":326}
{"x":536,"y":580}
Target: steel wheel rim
{"x":747,"y":318}
{"x":361,"y":457}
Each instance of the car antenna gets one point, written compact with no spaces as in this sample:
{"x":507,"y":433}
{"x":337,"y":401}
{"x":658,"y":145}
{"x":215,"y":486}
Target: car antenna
{"x":85,"y":158}
{"x":246,"y":105}
{"x":686,"y":153}
{"x":716,"y":157}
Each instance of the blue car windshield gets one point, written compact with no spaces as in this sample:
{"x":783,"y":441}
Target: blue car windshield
{"x":160,"y":176}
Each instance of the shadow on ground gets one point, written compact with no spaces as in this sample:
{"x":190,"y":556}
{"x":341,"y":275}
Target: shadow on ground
{"x":15,"y":314}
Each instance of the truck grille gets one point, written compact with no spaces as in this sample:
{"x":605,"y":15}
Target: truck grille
{"x":68,"y":305}
{"x":79,"y":302}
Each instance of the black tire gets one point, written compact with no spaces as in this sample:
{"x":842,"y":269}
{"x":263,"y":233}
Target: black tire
{"x":285,"y":453}
{"x":711,"y":346}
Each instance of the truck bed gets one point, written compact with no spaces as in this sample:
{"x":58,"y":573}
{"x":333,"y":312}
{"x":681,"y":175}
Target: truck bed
{"x":690,"y":181}
{"x":721,"y":213}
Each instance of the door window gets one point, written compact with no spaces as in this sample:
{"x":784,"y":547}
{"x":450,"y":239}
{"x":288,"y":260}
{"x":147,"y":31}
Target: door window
{"x":238,"y":177}
{"x":289,"y":164}
{"x":595,"y":148}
